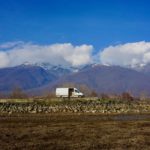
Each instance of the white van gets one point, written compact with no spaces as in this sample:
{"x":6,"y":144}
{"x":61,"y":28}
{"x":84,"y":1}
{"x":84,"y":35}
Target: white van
{"x":68,"y":92}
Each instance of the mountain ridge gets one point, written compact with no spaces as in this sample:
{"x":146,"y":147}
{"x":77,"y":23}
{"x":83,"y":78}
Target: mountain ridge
{"x":100,"y":78}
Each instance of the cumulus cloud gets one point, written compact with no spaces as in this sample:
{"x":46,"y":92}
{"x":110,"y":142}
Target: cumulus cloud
{"x":4,"y":61}
{"x":9,"y":45}
{"x":16,"y":53}
{"x":129,"y":54}
{"x":66,"y":54}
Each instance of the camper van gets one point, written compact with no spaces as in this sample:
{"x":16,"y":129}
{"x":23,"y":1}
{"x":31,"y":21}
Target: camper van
{"x":68,"y":92}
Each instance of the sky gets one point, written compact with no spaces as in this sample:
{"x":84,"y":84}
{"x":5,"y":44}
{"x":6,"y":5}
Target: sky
{"x":94,"y":24}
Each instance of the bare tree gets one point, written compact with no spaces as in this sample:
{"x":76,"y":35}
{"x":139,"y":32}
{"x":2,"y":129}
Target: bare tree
{"x":18,"y":93}
{"x":50,"y":95}
{"x":143,"y":95}
{"x":93,"y":94}
{"x":127,"y":96}
{"x":104,"y":96}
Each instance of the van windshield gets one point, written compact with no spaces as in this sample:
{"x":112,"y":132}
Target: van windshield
{"x":76,"y":91}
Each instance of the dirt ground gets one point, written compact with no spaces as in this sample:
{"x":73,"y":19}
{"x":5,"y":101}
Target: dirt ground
{"x":74,"y":131}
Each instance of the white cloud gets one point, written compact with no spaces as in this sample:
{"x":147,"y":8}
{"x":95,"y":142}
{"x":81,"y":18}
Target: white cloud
{"x":66,"y":54}
{"x":4,"y":61}
{"x":129,"y":54}
{"x":9,"y":45}
{"x":55,"y":54}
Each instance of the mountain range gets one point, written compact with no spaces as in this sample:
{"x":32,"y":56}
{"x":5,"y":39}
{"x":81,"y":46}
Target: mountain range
{"x":39,"y":78}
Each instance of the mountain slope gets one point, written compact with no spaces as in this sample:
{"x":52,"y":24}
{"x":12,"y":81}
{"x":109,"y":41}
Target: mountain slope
{"x":102,"y":79}
{"x":24,"y":76}
{"x":145,"y":69}
{"x":110,"y":79}
{"x":57,"y":70}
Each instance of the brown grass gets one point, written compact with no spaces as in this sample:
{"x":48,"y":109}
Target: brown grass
{"x":60,"y":131}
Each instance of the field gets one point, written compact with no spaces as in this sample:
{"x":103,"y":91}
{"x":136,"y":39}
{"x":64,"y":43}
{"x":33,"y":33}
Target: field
{"x":74,"y":131}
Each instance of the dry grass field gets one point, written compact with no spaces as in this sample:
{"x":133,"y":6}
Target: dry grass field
{"x":74,"y":131}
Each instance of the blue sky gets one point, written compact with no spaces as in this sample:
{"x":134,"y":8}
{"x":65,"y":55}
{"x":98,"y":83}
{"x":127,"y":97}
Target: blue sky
{"x":97,"y":22}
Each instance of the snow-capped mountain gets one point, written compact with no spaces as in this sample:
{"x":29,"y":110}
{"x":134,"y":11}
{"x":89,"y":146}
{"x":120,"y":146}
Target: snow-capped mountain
{"x":50,"y":67}
{"x":101,"y":78}
{"x":145,"y":69}
{"x":25,"y":77}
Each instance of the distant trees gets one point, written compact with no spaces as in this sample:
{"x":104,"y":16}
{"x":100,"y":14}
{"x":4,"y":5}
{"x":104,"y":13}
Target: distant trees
{"x":104,"y":96}
{"x":127,"y":96}
{"x":2,"y":95}
{"x":93,"y":94}
{"x":50,"y":95}
{"x":17,"y":92}
{"x":84,"y":89}
{"x":144,"y":95}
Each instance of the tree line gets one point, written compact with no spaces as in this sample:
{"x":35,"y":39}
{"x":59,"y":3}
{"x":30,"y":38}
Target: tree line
{"x":18,"y":93}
